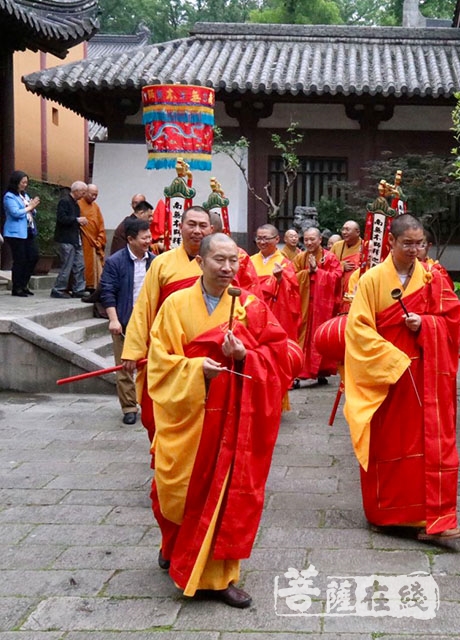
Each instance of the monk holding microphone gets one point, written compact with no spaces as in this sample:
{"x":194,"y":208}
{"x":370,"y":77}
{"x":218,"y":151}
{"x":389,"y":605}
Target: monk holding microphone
{"x":401,"y":360}
{"x":219,"y":364}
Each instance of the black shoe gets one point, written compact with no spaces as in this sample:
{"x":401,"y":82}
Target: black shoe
{"x":130,"y":417}
{"x":78,"y":294}
{"x":233,"y":596}
{"x":28,"y":292}
{"x":162,"y":562}
{"x":19,"y":293}
{"x":91,"y":297}
{"x":59,"y":294}
{"x":322,"y":381}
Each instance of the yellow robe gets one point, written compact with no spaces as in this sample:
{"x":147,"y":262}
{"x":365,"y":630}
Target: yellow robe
{"x":167,"y":268}
{"x":372,"y":363}
{"x":179,"y":418}
{"x":341,"y":250}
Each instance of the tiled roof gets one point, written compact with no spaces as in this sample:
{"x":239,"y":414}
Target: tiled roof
{"x":104,"y":44}
{"x":47,"y":25}
{"x":275,"y":59}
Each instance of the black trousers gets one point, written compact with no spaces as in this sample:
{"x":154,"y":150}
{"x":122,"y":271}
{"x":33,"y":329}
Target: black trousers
{"x":25,"y":255}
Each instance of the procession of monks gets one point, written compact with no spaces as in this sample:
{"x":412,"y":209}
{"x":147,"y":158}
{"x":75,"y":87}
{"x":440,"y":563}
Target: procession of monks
{"x":226,"y":336}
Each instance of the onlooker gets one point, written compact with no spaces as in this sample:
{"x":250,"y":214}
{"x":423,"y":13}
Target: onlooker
{"x":93,"y":237}
{"x":119,"y":235}
{"x":121,"y":282}
{"x":142,"y":211}
{"x":20,"y":232}
{"x":67,"y":235}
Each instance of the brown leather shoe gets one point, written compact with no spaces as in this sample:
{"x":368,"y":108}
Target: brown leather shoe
{"x":233,"y":596}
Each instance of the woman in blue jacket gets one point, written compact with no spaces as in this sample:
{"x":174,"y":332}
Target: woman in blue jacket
{"x":20,"y":231}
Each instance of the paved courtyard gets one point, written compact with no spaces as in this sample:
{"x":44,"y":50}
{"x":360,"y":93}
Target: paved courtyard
{"x":79,"y":543}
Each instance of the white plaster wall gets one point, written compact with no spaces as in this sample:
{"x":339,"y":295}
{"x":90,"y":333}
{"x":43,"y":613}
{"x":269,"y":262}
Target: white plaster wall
{"x":119,"y":172}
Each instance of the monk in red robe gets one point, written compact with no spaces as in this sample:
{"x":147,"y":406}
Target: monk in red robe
{"x":400,"y":388}
{"x":277,"y":279}
{"x":217,"y":397}
{"x":319,"y":274}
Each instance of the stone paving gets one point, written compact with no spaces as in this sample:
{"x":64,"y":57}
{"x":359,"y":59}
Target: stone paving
{"x":79,"y":543}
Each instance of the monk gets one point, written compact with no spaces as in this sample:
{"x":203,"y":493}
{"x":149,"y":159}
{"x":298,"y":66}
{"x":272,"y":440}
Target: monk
{"x":335,"y":237}
{"x":246,"y":277}
{"x":277,"y":280}
{"x":93,"y":238}
{"x":173,"y":270}
{"x":319,"y":274}
{"x":400,"y":388}
{"x":430,"y":263}
{"x":348,"y":251}
{"x":291,"y":241}
{"x":217,"y":397}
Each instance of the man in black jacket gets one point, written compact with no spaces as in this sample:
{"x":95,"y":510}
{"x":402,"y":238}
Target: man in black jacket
{"x":67,"y":235}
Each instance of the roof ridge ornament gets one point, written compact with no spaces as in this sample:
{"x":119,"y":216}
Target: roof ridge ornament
{"x":412,"y":18}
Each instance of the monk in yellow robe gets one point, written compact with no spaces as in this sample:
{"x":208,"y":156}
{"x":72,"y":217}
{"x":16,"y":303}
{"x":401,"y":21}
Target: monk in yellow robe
{"x":171,"y":271}
{"x":217,"y":398}
{"x":400,"y":389}
{"x":277,"y":279}
{"x":348,"y":252}
{"x":291,"y":242}
{"x":93,"y":238}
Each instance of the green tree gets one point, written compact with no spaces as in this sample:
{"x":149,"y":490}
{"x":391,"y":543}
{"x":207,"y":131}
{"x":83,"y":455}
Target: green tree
{"x":297,"y":12}
{"x":224,"y":10}
{"x":166,"y":19}
{"x":433,"y":193}
{"x":285,"y":145}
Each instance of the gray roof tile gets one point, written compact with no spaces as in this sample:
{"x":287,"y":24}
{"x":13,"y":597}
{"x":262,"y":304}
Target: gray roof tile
{"x":281,"y":59}
{"x":48,"y":25}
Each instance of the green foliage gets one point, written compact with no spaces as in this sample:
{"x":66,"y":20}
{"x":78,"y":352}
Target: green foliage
{"x":166,"y":19}
{"x":286,"y":145}
{"x":438,"y":8}
{"x":333,"y":212}
{"x":297,"y":12}
{"x":46,"y":214}
{"x":432,"y":192}
{"x":171,"y":19}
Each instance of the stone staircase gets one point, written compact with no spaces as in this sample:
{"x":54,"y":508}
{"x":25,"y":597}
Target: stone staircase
{"x":43,"y":340}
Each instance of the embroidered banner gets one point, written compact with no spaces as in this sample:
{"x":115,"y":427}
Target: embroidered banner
{"x":178,"y":121}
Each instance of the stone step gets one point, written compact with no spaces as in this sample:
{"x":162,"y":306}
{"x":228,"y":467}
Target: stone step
{"x":66,"y":315}
{"x":41,"y":283}
{"x":102,"y":345}
{"x":83,"y":330}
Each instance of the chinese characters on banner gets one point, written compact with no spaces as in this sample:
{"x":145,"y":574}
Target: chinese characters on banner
{"x":406,"y":596}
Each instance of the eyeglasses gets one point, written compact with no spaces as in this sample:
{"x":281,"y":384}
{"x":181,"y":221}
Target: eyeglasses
{"x":265,"y":239}
{"x":407,"y":246}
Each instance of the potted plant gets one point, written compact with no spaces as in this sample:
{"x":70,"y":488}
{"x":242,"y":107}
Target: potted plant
{"x":46,"y":222}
